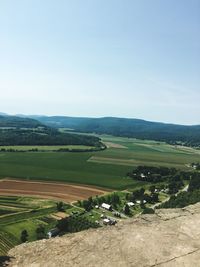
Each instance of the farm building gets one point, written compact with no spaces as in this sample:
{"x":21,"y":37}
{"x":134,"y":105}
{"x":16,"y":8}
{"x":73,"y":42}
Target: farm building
{"x":53,"y":232}
{"x":106,"y":206}
{"x":194,"y":166}
{"x":130,"y":204}
{"x":106,"y":221}
{"x":109,"y":221}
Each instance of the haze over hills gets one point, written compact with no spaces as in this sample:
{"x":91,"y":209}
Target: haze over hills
{"x":14,"y":121}
{"x":135,"y":128}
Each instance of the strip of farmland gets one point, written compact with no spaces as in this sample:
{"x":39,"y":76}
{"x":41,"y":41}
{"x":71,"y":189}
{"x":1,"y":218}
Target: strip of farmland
{"x":65,"y":192}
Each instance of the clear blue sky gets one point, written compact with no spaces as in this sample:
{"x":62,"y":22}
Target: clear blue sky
{"x":127,"y":58}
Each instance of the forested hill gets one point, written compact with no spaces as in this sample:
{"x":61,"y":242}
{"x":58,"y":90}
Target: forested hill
{"x":25,"y":131}
{"x":18,"y":122}
{"x":141,"y":129}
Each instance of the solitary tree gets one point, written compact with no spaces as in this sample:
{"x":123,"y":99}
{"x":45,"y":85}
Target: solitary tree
{"x":87,"y":205}
{"x":127,"y":209}
{"x":24,"y":236}
{"x":60,"y":206}
{"x":152,"y":189}
{"x":155,"y":197}
{"x":40,"y":232}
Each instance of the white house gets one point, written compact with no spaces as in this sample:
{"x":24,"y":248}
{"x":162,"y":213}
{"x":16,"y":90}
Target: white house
{"x":106,"y":206}
{"x":130,"y":204}
{"x":106,"y":221}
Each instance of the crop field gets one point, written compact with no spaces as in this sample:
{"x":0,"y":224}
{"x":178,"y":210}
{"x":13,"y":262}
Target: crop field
{"x":106,"y":168}
{"x":28,"y":213}
{"x":7,"y":241}
{"x":70,"y":177}
{"x":19,"y":210}
{"x":23,"y":213}
{"x":65,"y":192}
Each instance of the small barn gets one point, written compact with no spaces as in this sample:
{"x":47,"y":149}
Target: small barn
{"x":106,"y":206}
{"x":106,"y":221}
{"x":130,"y":204}
{"x":53,"y":233}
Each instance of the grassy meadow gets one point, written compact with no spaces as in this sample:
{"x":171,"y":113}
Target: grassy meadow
{"x":106,"y":168}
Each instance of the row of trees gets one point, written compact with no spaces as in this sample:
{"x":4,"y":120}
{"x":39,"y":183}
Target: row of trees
{"x":75,"y":224}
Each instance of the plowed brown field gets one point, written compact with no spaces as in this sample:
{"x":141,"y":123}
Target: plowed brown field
{"x":65,"y":192}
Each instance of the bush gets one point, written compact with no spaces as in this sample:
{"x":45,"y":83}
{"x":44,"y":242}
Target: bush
{"x":24,"y":236}
{"x":148,"y":211}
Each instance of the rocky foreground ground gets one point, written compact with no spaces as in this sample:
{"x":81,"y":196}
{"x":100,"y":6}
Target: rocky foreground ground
{"x":167,"y":238}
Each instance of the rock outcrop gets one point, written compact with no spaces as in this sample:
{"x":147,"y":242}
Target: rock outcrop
{"x":167,"y":238}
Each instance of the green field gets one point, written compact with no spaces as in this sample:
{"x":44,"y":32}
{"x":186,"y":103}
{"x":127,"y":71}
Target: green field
{"x":106,"y":168}
{"x":28,"y":214}
{"x":7,"y":241}
{"x":24,"y":213}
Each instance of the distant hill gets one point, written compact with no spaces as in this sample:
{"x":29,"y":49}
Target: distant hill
{"x":136,"y":128}
{"x":61,"y":121}
{"x":3,"y":114}
{"x":13,"y":121}
{"x":25,"y":131}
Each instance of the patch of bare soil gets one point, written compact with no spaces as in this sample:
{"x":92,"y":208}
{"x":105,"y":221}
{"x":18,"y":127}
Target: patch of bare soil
{"x":65,"y":192}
